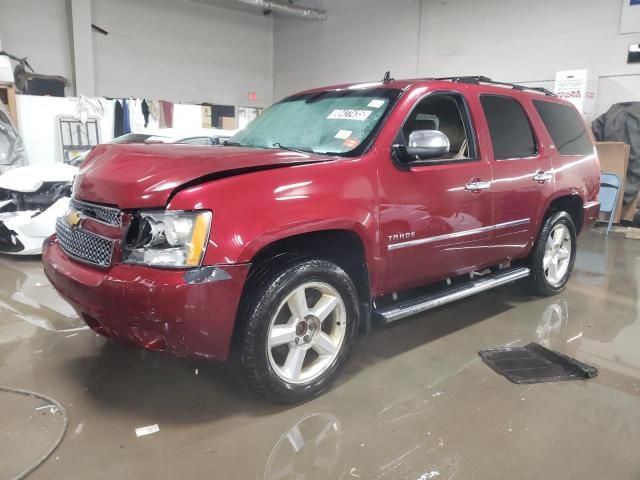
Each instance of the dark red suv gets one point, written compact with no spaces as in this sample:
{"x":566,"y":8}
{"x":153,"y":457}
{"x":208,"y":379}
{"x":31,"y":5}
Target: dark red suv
{"x":335,"y":208}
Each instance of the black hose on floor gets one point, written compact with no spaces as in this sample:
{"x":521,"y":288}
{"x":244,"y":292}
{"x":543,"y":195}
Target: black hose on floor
{"x":65,"y":423}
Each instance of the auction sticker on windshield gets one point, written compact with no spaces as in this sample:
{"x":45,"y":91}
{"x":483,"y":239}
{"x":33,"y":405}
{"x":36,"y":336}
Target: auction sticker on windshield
{"x":342,"y":114}
{"x":343,"y":134}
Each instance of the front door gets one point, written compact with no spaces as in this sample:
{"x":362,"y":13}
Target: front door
{"x":436,"y":215}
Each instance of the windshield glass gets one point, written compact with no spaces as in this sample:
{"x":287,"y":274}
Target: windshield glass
{"x":335,"y":122}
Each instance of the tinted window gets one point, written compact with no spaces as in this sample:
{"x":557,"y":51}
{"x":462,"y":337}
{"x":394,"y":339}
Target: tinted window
{"x":509,"y":127}
{"x":565,"y":127}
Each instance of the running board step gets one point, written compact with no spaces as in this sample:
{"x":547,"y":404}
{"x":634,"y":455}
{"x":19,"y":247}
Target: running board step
{"x":451,"y":294}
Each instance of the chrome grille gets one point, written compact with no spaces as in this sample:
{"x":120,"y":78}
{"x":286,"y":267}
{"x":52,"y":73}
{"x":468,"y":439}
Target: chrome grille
{"x":83,"y":245}
{"x":108,"y":215}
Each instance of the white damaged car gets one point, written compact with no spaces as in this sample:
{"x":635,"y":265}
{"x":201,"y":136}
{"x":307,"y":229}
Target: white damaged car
{"x":31,"y":199}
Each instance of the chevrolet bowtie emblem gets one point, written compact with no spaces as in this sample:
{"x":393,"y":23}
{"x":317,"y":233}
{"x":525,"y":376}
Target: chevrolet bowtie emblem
{"x":73,"y":218}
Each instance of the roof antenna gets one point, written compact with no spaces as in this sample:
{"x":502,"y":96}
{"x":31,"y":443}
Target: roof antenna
{"x":387,"y":77}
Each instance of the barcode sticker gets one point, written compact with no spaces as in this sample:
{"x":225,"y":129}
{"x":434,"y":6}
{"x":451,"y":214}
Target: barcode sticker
{"x":348,"y":114}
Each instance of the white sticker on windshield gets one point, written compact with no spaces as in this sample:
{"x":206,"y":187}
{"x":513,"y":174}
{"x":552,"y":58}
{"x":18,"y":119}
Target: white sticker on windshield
{"x":376,"y":103}
{"x":343,"y":114}
{"x":343,"y":134}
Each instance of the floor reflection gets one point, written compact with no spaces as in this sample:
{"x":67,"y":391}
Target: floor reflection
{"x":311,"y":448}
{"x":415,"y":401}
{"x":27,"y":296}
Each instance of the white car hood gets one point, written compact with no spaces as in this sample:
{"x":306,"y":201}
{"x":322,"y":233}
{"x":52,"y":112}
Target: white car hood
{"x":30,"y":178}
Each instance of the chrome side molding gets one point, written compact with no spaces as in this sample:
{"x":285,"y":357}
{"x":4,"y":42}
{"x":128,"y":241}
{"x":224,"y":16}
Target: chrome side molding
{"x":463,"y":233}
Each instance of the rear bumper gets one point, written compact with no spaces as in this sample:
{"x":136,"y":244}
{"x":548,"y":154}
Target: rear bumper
{"x":190,"y":314}
{"x":590,"y":212}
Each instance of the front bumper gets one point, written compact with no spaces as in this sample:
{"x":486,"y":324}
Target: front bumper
{"x":190,"y":314}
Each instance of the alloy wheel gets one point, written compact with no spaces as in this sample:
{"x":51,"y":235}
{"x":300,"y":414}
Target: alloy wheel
{"x":307,"y":332}
{"x":557,"y":254}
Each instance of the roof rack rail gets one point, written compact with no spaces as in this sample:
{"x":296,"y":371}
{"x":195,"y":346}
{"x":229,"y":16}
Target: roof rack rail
{"x":477,"y":79}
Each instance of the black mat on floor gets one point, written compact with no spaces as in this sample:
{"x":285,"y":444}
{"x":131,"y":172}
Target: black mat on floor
{"x":535,"y":364}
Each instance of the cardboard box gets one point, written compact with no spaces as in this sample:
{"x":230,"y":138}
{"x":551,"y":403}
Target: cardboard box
{"x":578,"y":87}
{"x":614,"y":158}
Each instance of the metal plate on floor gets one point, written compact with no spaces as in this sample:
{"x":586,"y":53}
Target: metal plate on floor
{"x":534,"y":363}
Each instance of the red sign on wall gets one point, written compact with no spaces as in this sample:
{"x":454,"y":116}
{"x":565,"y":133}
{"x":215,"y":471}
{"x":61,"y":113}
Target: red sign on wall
{"x":253,"y":96}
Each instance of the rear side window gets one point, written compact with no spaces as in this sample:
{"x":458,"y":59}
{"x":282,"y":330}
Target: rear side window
{"x":509,"y":127}
{"x":565,"y":127}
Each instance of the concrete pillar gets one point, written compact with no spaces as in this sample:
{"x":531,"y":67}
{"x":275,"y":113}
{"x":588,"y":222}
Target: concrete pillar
{"x":81,"y":34}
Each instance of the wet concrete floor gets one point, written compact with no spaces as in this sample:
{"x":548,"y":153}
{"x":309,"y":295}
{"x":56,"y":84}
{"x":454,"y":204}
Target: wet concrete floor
{"x":415,"y":401}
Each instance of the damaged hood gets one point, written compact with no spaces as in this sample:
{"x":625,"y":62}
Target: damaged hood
{"x":30,"y":178}
{"x":143,"y":176}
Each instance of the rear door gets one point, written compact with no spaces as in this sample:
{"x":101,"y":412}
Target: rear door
{"x":436,"y":215}
{"x":522,"y":174}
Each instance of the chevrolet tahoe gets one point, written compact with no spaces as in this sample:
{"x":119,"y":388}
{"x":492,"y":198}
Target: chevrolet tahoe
{"x":335,"y":209}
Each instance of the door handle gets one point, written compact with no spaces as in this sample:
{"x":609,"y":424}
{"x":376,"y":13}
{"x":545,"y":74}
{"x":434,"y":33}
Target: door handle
{"x":542,"y":177}
{"x":477,"y":185}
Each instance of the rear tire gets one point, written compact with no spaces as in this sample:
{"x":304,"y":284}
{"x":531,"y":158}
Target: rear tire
{"x":553,"y":255}
{"x":297,"y":326}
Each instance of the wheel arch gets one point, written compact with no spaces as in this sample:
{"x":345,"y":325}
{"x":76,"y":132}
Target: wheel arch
{"x":570,"y":202}
{"x":343,"y":246}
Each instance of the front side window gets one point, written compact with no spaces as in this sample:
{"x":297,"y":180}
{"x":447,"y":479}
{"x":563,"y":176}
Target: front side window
{"x":509,"y":127}
{"x":446,"y":113}
{"x":339,"y":122}
{"x":566,"y":128}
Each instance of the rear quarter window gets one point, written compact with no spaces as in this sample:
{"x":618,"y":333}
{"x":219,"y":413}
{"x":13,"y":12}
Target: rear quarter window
{"x":566,"y":128}
{"x":509,"y":127}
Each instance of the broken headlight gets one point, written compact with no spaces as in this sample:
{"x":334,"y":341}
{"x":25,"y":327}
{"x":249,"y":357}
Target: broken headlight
{"x":172,"y":239}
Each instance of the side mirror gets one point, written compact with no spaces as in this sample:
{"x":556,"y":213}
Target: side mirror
{"x":422,"y":145}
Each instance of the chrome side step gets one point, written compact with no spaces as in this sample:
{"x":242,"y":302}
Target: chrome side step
{"x":451,"y":294}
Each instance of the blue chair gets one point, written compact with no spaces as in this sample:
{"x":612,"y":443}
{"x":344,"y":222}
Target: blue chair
{"x":610,"y":184}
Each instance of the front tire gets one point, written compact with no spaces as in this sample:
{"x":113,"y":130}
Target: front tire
{"x":298,"y":325}
{"x":553,"y":255}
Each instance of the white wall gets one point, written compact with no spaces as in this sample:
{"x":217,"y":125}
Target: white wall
{"x":176,"y":50}
{"x":187,"y":51}
{"x":38,"y":125}
{"x":524,"y":41}
{"x":509,"y":40}
{"x":38,"y":29}
{"x":182,"y":51}
{"x":360,"y":41}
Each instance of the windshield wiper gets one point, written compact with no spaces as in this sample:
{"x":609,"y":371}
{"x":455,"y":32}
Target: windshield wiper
{"x":291,"y":149}
{"x":228,"y":143}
